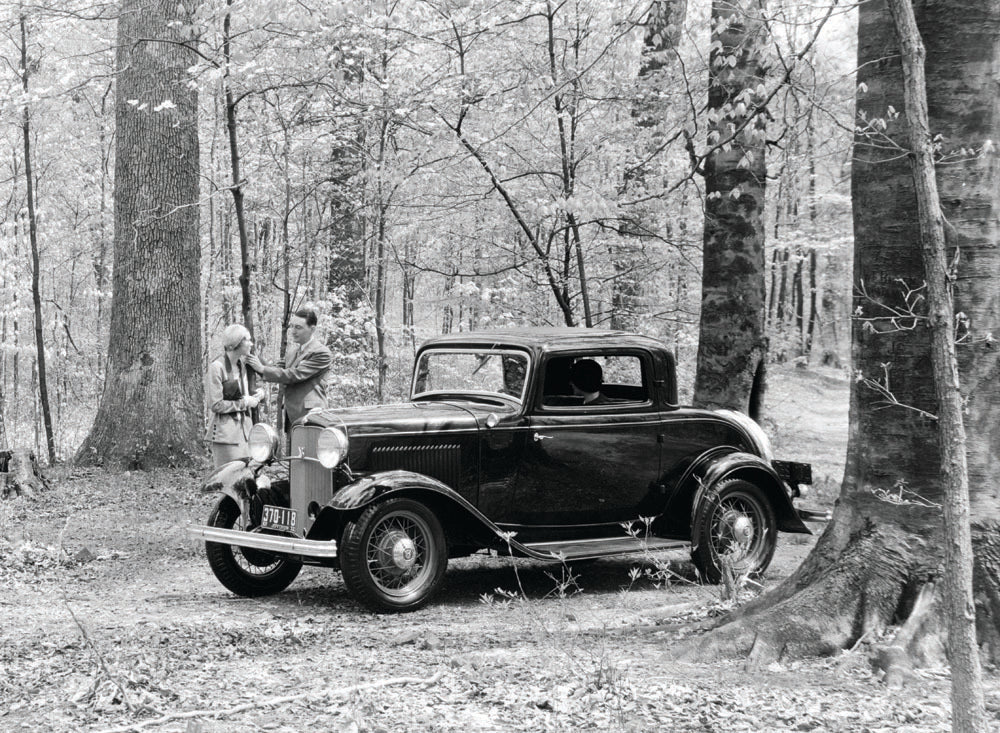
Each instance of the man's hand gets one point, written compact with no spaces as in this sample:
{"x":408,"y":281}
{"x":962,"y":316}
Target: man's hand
{"x":253,"y":361}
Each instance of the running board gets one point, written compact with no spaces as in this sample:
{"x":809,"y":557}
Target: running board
{"x":601,"y":547}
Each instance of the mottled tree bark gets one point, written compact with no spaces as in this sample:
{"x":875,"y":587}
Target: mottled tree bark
{"x":661,"y":38}
{"x":882,"y":551}
{"x":151,"y":407}
{"x":967,"y":702}
{"x":732,"y":344}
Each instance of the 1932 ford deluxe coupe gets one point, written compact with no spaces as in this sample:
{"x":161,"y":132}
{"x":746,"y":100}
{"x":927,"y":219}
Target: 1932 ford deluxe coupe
{"x":497,"y":448}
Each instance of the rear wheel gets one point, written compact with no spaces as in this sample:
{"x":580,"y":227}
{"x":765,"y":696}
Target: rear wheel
{"x":734,"y":529}
{"x":245,"y":571}
{"x":393,"y":556}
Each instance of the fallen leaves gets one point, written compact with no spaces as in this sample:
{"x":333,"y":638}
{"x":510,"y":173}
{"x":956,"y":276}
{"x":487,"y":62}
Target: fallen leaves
{"x":190,"y":656}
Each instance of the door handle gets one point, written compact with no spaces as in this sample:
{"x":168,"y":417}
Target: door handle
{"x":537,"y":437}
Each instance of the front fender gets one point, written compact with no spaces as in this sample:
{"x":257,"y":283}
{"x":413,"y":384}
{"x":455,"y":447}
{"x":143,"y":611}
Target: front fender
{"x":737,"y":464}
{"x":364,"y":491}
{"x":234,"y":479}
{"x":350,"y":499}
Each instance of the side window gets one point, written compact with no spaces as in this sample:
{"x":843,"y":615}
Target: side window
{"x":604,"y":379}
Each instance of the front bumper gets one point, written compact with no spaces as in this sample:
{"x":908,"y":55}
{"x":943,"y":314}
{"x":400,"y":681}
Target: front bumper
{"x":320,"y":549}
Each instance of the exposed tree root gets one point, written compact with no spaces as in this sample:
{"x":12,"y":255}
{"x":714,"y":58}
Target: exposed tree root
{"x":854,"y":586}
{"x":918,"y":642}
{"x":826,"y":607}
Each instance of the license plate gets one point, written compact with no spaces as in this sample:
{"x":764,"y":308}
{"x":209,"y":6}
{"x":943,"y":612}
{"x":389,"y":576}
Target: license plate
{"x":278,"y":517}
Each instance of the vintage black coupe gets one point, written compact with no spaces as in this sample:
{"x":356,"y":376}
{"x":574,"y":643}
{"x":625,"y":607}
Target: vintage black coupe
{"x":501,"y":447}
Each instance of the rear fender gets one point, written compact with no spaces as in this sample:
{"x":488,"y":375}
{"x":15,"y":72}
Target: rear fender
{"x":455,"y":512}
{"x":713,"y":467}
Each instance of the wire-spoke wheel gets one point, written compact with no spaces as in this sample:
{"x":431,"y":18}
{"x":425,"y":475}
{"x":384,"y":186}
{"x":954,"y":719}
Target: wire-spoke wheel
{"x":735,"y":530}
{"x":394,"y":555}
{"x":245,"y":571}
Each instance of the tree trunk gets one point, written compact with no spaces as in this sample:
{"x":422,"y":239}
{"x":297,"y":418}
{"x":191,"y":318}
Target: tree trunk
{"x":732,"y":344}
{"x":246,"y":309}
{"x":36,"y":295}
{"x":882,"y":551}
{"x":661,"y":39}
{"x":967,"y":702}
{"x":20,"y":475}
{"x":813,"y":312}
{"x":829,"y":333}
{"x":151,"y":407}
{"x":771,"y":300}
{"x":798,"y":296}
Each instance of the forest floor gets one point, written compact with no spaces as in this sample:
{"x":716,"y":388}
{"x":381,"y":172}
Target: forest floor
{"x":113,"y":621}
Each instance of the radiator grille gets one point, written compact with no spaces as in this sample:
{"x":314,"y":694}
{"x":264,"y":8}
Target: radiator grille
{"x":308,"y":479}
{"x":442,"y":462}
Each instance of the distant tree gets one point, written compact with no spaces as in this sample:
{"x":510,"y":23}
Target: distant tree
{"x":36,"y":297}
{"x":151,"y":408}
{"x":732,"y":347}
{"x":879,"y":560}
{"x":660,"y":55}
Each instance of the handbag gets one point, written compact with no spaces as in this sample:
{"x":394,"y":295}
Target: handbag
{"x":231,"y":389}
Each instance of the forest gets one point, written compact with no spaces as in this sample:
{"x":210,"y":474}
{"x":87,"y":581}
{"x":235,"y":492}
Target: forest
{"x":789,"y":195}
{"x":510,"y":164}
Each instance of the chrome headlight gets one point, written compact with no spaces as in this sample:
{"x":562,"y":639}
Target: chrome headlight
{"x":263,"y":442}
{"x":331,"y":447}
{"x":760,"y":440}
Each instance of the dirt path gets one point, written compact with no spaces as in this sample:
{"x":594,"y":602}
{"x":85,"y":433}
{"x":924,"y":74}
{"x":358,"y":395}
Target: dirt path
{"x":155,"y":635}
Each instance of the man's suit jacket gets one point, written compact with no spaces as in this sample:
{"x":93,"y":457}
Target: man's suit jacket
{"x":303,"y":378}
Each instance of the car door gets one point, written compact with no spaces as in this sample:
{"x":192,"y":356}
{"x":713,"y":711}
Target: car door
{"x":589,"y":464}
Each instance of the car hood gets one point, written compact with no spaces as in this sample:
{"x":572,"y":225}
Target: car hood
{"x":407,"y":417}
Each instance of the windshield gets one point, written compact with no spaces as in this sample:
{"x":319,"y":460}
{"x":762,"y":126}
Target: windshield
{"x":467,"y":371}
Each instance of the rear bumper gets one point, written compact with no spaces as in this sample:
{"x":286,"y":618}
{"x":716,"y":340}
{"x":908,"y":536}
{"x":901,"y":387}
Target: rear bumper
{"x":812,"y":515}
{"x":322,"y":549}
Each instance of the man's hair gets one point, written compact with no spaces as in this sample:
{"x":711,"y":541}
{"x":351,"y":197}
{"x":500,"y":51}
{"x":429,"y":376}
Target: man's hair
{"x":587,"y":375}
{"x":308,"y":315}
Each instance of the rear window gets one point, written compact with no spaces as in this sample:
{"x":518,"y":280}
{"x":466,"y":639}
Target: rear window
{"x":614,"y":378}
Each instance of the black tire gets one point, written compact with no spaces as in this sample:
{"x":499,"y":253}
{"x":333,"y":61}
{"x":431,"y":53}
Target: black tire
{"x":393,"y":556}
{"x":734,"y":524}
{"x":244,"y":571}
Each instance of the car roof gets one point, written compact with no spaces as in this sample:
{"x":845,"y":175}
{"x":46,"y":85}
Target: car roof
{"x":538,"y":340}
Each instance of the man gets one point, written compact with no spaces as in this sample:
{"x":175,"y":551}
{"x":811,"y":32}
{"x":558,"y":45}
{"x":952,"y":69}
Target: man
{"x":308,"y":364}
{"x":586,"y":378}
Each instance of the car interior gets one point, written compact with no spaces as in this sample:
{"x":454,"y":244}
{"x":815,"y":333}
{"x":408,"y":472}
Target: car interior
{"x":623,"y":382}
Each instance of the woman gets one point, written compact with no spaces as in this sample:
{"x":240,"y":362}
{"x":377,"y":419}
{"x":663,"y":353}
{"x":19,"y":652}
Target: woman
{"x":230,"y":399}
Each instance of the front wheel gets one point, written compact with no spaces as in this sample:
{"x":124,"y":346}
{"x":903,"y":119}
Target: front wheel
{"x":735,"y":529}
{"x":245,"y":571}
{"x":393,"y":556}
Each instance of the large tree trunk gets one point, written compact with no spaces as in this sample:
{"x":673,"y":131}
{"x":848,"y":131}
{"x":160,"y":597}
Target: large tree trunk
{"x":151,"y":408}
{"x":732,"y":344}
{"x":879,"y":559}
{"x":967,"y":703}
